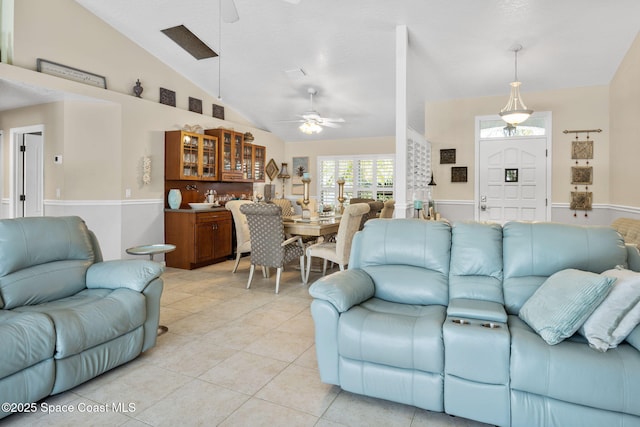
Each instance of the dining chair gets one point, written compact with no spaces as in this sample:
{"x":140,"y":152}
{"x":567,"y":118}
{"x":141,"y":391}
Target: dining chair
{"x":375,"y":207}
{"x":268,"y":245}
{"x":387,"y":210}
{"x":243,"y":240}
{"x":338,"y":251}
{"x":285,"y":205}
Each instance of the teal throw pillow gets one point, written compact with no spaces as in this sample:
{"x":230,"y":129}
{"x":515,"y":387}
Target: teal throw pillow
{"x":563,"y":302}
{"x":617,"y":315}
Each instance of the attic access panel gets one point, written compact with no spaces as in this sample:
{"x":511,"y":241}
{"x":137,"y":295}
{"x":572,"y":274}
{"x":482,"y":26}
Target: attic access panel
{"x":189,"y":42}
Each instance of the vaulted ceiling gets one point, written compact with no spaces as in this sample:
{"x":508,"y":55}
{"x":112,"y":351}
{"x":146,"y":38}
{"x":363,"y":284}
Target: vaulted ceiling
{"x":346,"y":50}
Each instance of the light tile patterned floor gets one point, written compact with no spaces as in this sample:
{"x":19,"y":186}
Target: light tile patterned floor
{"x":232,"y":357}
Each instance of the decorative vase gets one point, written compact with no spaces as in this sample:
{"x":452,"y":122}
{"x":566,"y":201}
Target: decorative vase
{"x":174,"y":198}
{"x":137,"y":89}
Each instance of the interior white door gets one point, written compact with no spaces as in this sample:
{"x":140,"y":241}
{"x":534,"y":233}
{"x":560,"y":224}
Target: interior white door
{"x":30,"y":176}
{"x":513,"y":180}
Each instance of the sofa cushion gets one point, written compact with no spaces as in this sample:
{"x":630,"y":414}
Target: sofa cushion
{"x":43,"y":283}
{"x":617,"y":315}
{"x":384,"y":249}
{"x":571,"y":372}
{"x":398,"y":335}
{"x":42,"y":259}
{"x":25,"y":242}
{"x":564,"y":301}
{"x":92,"y":317}
{"x":26,"y":339}
{"x":476,"y":261}
{"x":409,"y":285}
{"x":534,"y":251}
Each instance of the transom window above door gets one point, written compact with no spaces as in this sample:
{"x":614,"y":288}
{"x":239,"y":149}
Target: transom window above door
{"x":533,"y":126}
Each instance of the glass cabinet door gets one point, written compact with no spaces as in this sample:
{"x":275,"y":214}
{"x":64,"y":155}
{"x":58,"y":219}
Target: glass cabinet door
{"x":247,"y":162}
{"x":209,"y":158}
{"x":227,"y":149}
{"x":237,"y":152}
{"x":259,"y":154}
{"x":189,"y":156}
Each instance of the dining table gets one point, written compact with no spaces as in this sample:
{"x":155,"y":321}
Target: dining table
{"x":314,"y":227}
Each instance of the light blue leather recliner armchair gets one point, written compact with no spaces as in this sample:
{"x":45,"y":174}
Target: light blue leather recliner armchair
{"x":426,"y":315}
{"x":66,"y":316}
{"x":379,"y":323}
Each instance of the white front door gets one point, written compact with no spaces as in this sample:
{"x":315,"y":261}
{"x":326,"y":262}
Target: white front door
{"x":512,"y":179}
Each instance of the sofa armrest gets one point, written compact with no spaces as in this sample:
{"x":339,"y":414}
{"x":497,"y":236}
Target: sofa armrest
{"x":633,"y":256}
{"x":634,"y":338}
{"x":132,"y":274}
{"x":344,"y":289}
{"x":477,"y":309}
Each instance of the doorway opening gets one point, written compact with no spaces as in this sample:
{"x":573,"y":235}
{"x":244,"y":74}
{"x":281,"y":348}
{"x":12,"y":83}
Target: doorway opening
{"x":513,"y":169}
{"x":27,"y":171}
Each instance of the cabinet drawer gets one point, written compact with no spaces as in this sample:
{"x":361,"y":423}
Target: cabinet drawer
{"x":232,"y":176}
{"x":212,"y":216}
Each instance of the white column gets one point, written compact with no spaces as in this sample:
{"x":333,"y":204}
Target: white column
{"x":402,"y":208}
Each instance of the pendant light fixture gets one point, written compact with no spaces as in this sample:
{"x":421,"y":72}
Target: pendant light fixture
{"x":515,"y":112}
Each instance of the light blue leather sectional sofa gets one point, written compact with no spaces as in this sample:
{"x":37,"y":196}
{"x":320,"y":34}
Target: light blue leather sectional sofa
{"x":66,"y":316}
{"x":427,"y":315}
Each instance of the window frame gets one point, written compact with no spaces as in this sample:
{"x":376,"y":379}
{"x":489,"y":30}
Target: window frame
{"x":353,"y":186}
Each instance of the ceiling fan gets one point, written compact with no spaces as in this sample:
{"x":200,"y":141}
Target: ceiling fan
{"x":312,"y":121}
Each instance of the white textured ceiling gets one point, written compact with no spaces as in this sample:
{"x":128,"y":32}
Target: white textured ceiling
{"x":458,"y":49}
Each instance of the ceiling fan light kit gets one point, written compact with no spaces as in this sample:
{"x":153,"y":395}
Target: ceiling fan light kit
{"x":312,"y":121}
{"x":310,"y":127}
{"x":515,"y":112}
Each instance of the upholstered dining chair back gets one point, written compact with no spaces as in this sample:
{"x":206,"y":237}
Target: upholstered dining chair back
{"x":243,"y":237}
{"x":354,"y":200}
{"x":268,"y":245}
{"x":349,"y":225}
{"x":285,"y":205}
{"x":338,"y":251}
{"x":387,"y":210}
{"x":375,"y":207}
{"x":267,"y":233}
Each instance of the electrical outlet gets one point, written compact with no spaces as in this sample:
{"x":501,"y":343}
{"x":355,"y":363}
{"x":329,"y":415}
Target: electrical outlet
{"x":127,"y":193}
{"x":57,"y":159}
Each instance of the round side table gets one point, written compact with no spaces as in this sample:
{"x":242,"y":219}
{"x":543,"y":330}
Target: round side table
{"x":152,"y":250}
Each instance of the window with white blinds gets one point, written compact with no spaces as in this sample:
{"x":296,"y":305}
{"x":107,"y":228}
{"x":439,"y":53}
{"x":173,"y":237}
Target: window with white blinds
{"x":368,"y":176}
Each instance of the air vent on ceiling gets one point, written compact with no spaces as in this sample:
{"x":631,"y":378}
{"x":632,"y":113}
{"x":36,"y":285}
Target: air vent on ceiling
{"x":189,"y":42}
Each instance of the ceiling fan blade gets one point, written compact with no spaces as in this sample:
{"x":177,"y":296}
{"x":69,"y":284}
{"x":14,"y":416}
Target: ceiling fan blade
{"x":331,"y":120}
{"x":328,"y":124}
{"x":229,"y":11}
